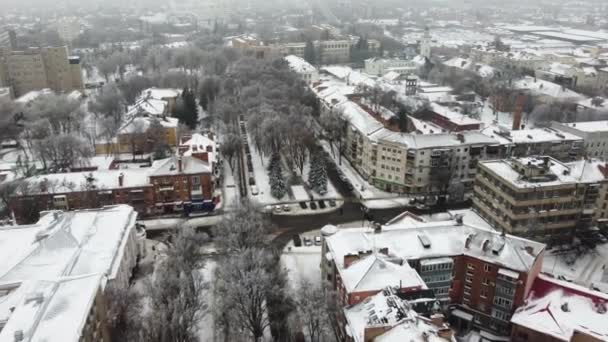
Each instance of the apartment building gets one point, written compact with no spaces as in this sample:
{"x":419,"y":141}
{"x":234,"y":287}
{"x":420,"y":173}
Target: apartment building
{"x":68,"y":28}
{"x":174,"y":184}
{"x":540,"y":197}
{"x":305,"y":70}
{"x":151,"y":110}
{"x":411,"y":163}
{"x":594,"y":133}
{"x":63,"y":263}
{"x":404,"y":162}
{"x":380,"y":66}
{"x":480,"y":276}
{"x":553,"y":142}
{"x":8,"y":39}
{"x":39,"y":68}
{"x":332,"y":51}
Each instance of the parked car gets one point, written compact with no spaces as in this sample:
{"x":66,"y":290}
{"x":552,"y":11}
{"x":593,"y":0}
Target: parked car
{"x":313,"y":205}
{"x":297,"y":241}
{"x":307,"y":241}
{"x":286,"y":207}
{"x":322,"y":204}
{"x":254,"y":190}
{"x":332,"y":203}
{"x":278,"y":208}
{"x":303,"y":205}
{"x":317,"y":240}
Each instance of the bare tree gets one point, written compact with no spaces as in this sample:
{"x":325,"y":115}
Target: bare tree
{"x":242,"y":228}
{"x":334,"y":126}
{"x":124,"y":313}
{"x":176,"y":293}
{"x":243,"y":282}
{"x":109,"y":102}
{"x":230,"y":146}
{"x":312,"y":311}
{"x":299,"y":136}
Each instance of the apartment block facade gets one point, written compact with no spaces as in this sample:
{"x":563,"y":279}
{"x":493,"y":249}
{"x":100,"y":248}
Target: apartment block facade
{"x":39,"y":68}
{"x":174,"y":184}
{"x":540,"y":197}
{"x":479,"y":276}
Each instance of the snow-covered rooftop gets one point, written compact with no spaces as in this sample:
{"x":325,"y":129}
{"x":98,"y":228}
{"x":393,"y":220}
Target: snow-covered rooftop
{"x":453,"y":116}
{"x":299,"y":65}
{"x":49,"y":310}
{"x":376,"y":271}
{"x":66,"y":244}
{"x":100,"y":180}
{"x":507,"y":136}
{"x":34,"y":94}
{"x":581,"y":171}
{"x":395,"y":315}
{"x":589,"y":126}
{"x":560,"y":309}
{"x":199,"y":143}
{"x":421,"y":141}
{"x":441,"y":239}
{"x":87,"y":180}
{"x":170,"y":166}
{"x":482,"y":70}
{"x":542,"y":87}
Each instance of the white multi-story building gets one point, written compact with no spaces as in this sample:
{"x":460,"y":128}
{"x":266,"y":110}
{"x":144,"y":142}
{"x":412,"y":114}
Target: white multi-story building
{"x":305,"y":70}
{"x":380,"y":66}
{"x":54,"y":273}
{"x":594,"y":133}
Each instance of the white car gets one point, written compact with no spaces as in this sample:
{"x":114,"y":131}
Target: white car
{"x":286,"y":207}
{"x":278,"y":208}
{"x":254,"y":190}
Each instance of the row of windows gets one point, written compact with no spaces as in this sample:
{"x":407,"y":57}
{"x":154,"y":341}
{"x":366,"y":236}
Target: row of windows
{"x":436,"y":267}
{"x":437,"y":278}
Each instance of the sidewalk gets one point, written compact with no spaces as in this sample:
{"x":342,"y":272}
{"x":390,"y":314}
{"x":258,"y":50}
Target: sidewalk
{"x":173,"y":223}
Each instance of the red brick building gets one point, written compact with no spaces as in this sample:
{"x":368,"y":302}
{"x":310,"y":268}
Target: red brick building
{"x":480,"y":276}
{"x":172,"y":184}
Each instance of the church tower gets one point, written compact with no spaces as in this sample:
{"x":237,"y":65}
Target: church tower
{"x":425,"y":44}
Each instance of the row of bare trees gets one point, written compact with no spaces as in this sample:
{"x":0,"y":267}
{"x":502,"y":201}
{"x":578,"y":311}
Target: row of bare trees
{"x":172,"y":301}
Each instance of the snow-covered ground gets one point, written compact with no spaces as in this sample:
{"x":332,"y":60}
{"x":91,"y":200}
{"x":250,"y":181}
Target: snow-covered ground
{"x":172,"y":223}
{"x":302,"y":263}
{"x":207,"y":323}
{"x":229,"y":188}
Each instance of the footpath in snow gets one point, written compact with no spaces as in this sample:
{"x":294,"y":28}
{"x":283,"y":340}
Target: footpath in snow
{"x":370,"y":196}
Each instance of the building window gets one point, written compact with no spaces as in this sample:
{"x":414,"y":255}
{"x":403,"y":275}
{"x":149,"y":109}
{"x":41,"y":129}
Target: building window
{"x":486,"y":267}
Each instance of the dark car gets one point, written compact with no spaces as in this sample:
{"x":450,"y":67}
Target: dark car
{"x":332,"y":203}
{"x":297,"y":241}
{"x":350,"y":187}
{"x":303,"y":205}
{"x":322,"y":204}
{"x":313,"y":205}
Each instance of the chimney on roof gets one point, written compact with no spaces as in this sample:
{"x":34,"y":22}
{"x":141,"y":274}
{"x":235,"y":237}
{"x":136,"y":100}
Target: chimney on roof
{"x":486,"y":245}
{"x":519,"y":107}
{"x":467,"y":243}
{"x":179,"y":164}
{"x":121,"y":178}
